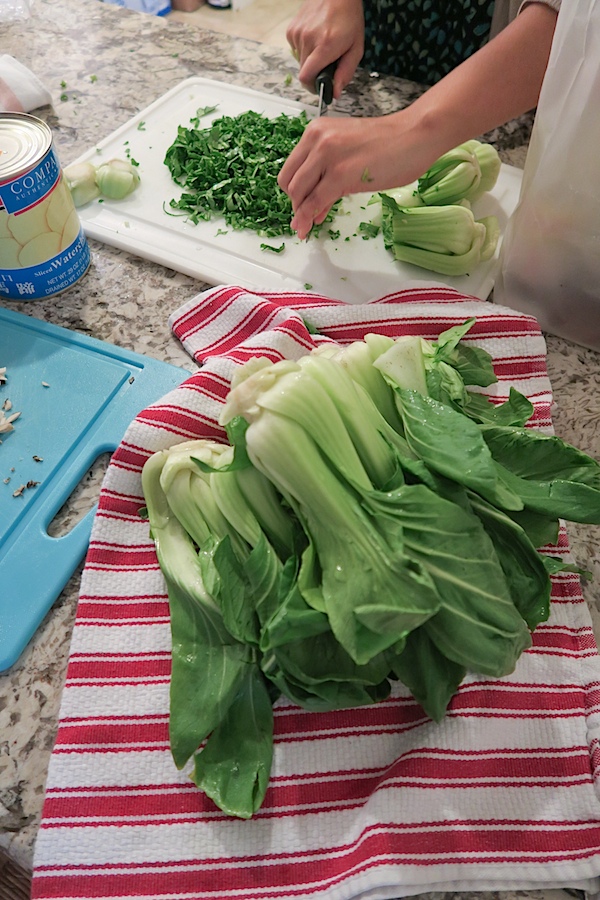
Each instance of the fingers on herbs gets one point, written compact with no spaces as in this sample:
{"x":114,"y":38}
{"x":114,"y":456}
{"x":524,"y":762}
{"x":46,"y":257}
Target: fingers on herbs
{"x":317,"y":174}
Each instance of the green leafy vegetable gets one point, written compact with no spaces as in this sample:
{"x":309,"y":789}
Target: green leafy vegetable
{"x":430,"y":676}
{"x":464,"y":173}
{"x":201,"y":112}
{"x":444,"y":239}
{"x":368,"y":229}
{"x":430,"y":224}
{"x":81,"y":181}
{"x":200,"y":639}
{"x":230,"y":169}
{"x":114,"y":179}
{"x":369,"y":519}
{"x":117,"y":178}
{"x":450,"y":178}
{"x":233,"y":773}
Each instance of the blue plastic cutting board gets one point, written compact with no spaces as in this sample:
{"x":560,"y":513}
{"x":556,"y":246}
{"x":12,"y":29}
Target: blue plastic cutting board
{"x":94,"y":391}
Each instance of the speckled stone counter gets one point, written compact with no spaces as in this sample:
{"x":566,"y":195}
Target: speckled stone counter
{"x":103,"y":64}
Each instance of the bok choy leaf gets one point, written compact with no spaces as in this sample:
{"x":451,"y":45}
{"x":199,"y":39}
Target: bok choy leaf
{"x":203,"y":650}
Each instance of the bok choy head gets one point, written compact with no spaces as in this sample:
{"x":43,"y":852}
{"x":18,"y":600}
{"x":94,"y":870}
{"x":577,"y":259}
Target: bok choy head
{"x":373,"y":516}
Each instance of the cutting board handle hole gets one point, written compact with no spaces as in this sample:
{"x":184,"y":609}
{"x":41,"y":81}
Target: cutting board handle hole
{"x":83,"y":498}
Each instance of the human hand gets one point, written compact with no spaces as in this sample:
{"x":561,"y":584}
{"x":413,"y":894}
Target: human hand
{"x":325,"y":31}
{"x":336,"y":157}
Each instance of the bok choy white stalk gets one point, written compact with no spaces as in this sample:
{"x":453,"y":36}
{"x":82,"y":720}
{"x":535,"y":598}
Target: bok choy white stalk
{"x":444,"y":239}
{"x":430,"y":224}
{"x":464,"y":173}
{"x":81,"y":181}
{"x":114,"y":179}
{"x":117,"y":178}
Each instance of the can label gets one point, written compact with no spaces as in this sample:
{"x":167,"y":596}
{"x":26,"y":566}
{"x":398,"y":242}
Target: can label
{"x":45,"y":279}
{"x":43,"y":249}
{"x":20,"y":194}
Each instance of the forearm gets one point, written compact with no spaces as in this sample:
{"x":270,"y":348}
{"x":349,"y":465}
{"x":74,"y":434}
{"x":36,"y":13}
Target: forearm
{"x":496,"y":84}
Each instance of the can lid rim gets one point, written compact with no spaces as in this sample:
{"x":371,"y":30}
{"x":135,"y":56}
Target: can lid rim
{"x":24,"y":141}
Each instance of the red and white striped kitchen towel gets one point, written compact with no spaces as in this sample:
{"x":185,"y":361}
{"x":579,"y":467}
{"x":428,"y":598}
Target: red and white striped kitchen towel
{"x":376,"y":802}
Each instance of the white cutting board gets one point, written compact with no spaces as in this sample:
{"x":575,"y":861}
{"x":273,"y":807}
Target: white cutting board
{"x":354,"y":271}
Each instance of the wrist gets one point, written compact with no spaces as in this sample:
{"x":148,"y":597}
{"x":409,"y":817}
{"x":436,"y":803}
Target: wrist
{"x":420,"y":134}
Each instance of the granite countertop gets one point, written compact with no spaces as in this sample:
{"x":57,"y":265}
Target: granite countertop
{"x":103,"y":64}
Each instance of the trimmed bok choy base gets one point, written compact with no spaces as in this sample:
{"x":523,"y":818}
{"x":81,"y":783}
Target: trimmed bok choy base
{"x":430,"y":224}
{"x":371,"y":519}
{"x":114,"y":179}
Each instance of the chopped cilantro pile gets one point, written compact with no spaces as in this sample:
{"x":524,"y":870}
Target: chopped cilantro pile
{"x":230,"y":169}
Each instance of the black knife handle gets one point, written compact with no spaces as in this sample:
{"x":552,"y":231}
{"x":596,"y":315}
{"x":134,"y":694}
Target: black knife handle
{"x":325,"y":78}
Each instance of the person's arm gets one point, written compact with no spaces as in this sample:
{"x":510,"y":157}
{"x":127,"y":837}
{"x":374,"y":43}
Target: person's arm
{"x":336,"y":157}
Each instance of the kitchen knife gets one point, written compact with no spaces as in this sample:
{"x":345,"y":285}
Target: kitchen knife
{"x":324,"y":87}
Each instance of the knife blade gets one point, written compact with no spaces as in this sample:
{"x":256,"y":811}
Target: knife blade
{"x":324,"y":87}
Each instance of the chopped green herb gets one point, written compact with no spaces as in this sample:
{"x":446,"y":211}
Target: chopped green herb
{"x":93,"y":78}
{"x":312,"y":329}
{"x":307,"y":286}
{"x":333,"y":234}
{"x":221,"y":231}
{"x":133,"y":161}
{"x":206,"y":110}
{"x":175,"y":215}
{"x":202,"y":111}
{"x":141,"y":126}
{"x":368,"y":230}
{"x":63,"y":97}
{"x":288,"y":78}
{"x":274,"y":249}
{"x":366,"y":175}
{"x":230,"y":169}
{"x":63,"y":84}
{"x":333,"y":212}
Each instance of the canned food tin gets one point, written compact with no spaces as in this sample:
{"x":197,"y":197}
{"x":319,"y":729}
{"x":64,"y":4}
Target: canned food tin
{"x":43,"y":249}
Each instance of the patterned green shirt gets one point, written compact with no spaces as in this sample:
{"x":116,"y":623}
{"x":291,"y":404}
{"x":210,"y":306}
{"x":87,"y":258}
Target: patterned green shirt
{"x":422,"y":40}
